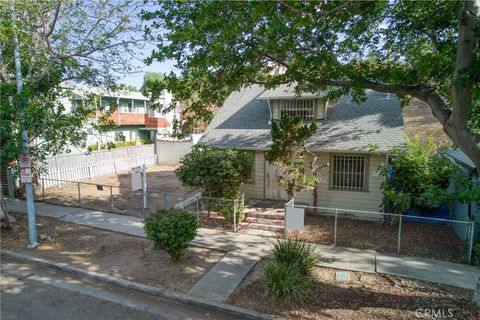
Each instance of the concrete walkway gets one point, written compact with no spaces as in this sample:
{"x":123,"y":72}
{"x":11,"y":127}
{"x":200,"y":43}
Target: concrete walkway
{"x":245,"y":249}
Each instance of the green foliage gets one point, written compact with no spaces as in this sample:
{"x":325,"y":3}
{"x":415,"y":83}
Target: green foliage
{"x":292,"y":252}
{"x":476,"y":254}
{"x":421,"y":177}
{"x":288,"y":152}
{"x":287,"y":275}
{"x":406,"y":47}
{"x":218,"y":173}
{"x":115,"y":145}
{"x":171,"y":230}
{"x":286,"y":283}
{"x":225,"y":206}
{"x":60,"y":42}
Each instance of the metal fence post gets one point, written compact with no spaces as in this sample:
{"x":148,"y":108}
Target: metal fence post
{"x":165,"y":200}
{"x":43,"y":190}
{"x":79,"y":199}
{"x":470,"y":242}
{"x":234,"y":215}
{"x":196,"y":208}
{"x":399,"y":234}
{"x":111,"y":196}
{"x":335,"y":228}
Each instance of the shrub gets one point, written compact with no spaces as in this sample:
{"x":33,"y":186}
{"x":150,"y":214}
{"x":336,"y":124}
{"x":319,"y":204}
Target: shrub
{"x":293,"y":252}
{"x":171,"y":230}
{"x":476,"y":254}
{"x":225,"y":208}
{"x":286,"y":283}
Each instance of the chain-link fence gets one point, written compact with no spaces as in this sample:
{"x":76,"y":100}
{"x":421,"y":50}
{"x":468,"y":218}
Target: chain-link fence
{"x":214,"y":213}
{"x":108,"y":198}
{"x":390,"y":233}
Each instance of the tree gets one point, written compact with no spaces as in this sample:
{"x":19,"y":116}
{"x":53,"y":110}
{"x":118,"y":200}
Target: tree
{"x":288,"y":152}
{"x":193,"y":115}
{"x":61,"y":43}
{"x":422,"y":49}
{"x":218,"y":173}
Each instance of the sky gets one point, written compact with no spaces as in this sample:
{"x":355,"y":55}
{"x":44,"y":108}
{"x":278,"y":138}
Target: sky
{"x":136,"y":79}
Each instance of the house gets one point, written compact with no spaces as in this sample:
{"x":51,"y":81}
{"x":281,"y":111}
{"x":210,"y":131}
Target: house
{"x":131,"y":114}
{"x":465,"y":211}
{"x":349,"y":178}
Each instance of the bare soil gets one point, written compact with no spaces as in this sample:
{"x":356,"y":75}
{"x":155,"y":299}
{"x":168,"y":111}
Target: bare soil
{"x":116,"y":254}
{"x":420,"y":122}
{"x":438,"y":241}
{"x":113,"y":192}
{"x":363,"y":296}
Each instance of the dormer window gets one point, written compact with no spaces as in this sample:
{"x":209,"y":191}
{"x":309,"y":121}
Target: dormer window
{"x":303,"y":108}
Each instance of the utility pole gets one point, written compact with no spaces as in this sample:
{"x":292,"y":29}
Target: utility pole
{"x":32,"y":227}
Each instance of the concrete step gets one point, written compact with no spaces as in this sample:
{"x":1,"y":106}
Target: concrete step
{"x":274,"y":222}
{"x":259,"y":226}
{"x":265,"y":215}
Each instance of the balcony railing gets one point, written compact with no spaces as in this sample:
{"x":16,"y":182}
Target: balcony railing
{"x":125,"y":119}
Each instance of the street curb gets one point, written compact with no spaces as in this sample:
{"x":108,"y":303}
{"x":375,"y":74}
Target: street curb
{"x":153,"y":291}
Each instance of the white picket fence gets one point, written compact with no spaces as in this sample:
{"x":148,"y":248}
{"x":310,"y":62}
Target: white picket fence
{"x":80,"y":166}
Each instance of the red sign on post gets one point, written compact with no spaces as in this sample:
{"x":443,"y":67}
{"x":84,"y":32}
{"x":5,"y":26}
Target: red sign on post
{"x":25,"y":168}
{"x":25,"y":160}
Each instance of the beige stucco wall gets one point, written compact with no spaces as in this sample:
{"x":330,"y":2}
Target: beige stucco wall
{"x":354,"y":200}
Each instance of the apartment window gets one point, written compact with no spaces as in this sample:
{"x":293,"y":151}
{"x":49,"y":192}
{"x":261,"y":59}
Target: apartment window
{"x":349,"y":172}
{"x":249,"y":176}
{"x":298,"y":108}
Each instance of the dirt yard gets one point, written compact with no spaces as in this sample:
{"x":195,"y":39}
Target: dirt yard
{"x":113,"y":192}
{"x":417,"y":239}
{"x":419,"y":121}
{"x":363,"y":296}
{"x":159,"y":177}
{"x":112,"y":253}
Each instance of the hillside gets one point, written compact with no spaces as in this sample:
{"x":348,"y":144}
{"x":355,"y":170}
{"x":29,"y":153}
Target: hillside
{"x":419,"y":121}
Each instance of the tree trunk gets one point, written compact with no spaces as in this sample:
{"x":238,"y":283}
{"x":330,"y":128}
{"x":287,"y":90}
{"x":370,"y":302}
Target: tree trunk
{"x":3,"y":209}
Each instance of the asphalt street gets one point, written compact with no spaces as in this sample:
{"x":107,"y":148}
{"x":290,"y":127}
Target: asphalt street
{"x":36,"y":293}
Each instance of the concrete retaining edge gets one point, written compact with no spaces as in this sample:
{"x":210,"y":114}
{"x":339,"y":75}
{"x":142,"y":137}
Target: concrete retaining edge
{"x":131,"y":285}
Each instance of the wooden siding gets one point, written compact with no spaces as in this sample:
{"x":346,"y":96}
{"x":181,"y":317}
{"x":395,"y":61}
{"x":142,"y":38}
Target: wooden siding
{"x":355,"y":200}
{"x":256,"y":189}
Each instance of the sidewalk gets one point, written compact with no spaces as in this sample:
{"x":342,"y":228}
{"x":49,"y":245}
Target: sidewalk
{"x":250,"y":247}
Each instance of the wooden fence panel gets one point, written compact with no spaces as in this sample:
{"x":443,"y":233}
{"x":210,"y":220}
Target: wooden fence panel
{"x":86,"y":166}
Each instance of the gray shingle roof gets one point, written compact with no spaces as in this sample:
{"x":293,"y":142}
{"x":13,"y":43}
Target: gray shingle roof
{"x":287,"y":91}
{"x":243,"y":122}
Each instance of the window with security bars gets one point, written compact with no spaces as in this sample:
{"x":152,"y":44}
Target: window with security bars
{"x":349,"y":172}
{"x":298,"y":108}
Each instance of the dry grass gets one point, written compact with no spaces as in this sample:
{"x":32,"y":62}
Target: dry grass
{"x":420,"y":122}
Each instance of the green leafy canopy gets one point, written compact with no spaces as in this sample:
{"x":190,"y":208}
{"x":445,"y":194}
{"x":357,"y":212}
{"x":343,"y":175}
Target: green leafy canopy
{"x":422,"y":49}
{"x":288,"y":152}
